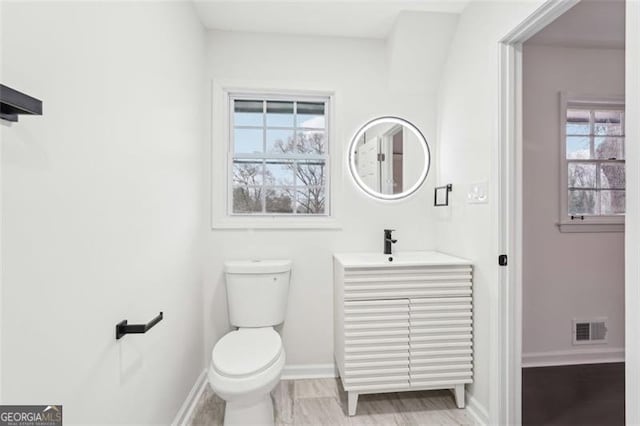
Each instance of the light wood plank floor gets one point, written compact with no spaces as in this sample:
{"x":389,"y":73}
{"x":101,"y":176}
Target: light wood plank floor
{"x":323,"y":402}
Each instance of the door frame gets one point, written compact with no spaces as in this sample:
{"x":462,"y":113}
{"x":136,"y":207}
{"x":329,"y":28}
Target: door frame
{"x":386,"y":149}
{"x":506,"y":387}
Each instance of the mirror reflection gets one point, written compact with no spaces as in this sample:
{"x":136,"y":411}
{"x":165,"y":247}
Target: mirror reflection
{"x":389,"y":158}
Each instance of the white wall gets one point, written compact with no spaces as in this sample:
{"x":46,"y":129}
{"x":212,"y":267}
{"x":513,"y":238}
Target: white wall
{"x":357,"y":72}
{"x":566,"y":275}
{"x":103,"y":208}
{"x":417,"y":49}
{"x":632,"y":253}
{"x":466,"y":153}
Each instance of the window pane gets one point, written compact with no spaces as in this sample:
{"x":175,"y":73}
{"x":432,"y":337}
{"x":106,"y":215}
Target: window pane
{"x":311,"y":173}
{"x":247,"y":200}
{"x":609,"y":148}
{"x":607,"y":123}
{"x":582,"y":175}
{"x":279,"y":114}
{"x":247,"y":141}
{"x":247,"y":113}
{"x":311,"y":141}
{"x":311,"y":115}
{"x":310,"y":200}
{"x":279,"y":140}
{"x":279,"y":164}
{"x":279,"y":200}
{"x":578,"y":122}
{"x":612,"y":202}
{"x":578,"y":148}
{"x":279,"y":173}
{"x":612,"y":176}
{"x":582,"y":202}
{"x":247,"y":172}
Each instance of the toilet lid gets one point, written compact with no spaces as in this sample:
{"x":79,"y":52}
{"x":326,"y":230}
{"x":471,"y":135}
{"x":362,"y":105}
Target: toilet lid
{"x":246,"y":351}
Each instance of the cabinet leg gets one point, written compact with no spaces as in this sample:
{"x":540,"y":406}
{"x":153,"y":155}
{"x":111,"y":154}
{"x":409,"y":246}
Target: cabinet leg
{"x":458,"y":392}
{"x":353,"y":402}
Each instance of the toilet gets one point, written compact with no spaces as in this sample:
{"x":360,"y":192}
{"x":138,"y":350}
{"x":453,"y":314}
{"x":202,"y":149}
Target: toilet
{"x":246,"y":364}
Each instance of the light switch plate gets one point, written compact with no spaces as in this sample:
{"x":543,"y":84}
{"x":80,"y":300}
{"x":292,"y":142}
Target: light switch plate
{"x":478,"y":193}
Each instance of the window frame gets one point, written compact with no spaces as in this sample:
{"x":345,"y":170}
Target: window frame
{"x":219,"y":153}
{"x":590,"y":223}
{"x":231,"y":156}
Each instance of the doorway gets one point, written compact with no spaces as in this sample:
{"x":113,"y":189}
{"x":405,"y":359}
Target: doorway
{"x":512,"y":152}
{"x":573,"y":176}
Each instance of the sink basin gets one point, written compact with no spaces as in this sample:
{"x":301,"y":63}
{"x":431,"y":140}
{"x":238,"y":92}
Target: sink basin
{"x":402,"y":258}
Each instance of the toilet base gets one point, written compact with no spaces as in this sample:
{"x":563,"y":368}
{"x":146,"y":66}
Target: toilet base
{"x":258,"y":412}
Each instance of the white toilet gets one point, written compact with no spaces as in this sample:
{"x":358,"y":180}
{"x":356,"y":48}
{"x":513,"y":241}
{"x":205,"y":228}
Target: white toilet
{"x":246,"y":364}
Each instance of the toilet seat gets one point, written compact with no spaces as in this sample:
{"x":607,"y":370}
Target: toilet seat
{"x":246,"y":352}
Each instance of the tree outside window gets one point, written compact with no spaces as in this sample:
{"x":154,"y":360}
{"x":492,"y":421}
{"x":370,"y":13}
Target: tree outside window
{"x":280,"y":157}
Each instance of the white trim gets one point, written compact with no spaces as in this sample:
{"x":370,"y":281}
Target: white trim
{"x":220,"y":121}
{"x":590,"y":227}
{"x":478,"y":411}
{"x":573,"y":357}
{"x":589,"y":223}
{"x":277,"y":223}
{"x":505,"y":396}
{"x":290,"y":372}
{"x":188,"y":406}
{"x":309,"y":371}
{"x":632,"y":234}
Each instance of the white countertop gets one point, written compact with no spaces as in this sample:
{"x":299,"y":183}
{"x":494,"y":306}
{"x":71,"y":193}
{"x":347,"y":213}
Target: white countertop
{"x":401,"y":258}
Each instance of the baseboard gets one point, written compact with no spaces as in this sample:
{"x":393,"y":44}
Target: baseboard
{"x":479,"y":413}
{"x":304,"y":371}
{"x":309,"y":371}
{"x":573,"y":357}
{"x":189,"y":404}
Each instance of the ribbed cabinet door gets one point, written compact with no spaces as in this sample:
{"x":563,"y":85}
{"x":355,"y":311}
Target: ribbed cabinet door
{"x":376,"y":344}
{"x":440,"y":341}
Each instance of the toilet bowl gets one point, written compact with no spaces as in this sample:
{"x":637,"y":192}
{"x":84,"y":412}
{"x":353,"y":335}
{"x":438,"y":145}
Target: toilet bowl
{"x":246,"y":364}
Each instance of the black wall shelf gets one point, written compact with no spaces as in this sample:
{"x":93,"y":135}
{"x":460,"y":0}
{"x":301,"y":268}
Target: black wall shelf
{"x":14,"y":103}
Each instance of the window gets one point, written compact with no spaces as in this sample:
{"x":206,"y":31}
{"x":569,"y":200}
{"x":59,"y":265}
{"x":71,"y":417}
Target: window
{"x":593,"y":170}
{"x":279,"y":156}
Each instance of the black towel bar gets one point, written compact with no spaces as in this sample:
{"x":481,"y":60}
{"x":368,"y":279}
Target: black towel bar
{"x":123,"y":327}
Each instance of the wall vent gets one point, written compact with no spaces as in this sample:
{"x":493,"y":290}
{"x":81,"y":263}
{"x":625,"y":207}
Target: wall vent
{"x":590,"y":331}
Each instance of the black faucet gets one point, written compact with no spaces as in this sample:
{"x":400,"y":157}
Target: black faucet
{"x":388,"y":240}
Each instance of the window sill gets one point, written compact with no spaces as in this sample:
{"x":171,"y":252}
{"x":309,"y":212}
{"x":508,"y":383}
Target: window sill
{"x":590,"y":227}
{"x":276,"y":223}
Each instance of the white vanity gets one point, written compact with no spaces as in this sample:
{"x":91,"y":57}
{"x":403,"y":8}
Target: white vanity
{"x":403,"y":324}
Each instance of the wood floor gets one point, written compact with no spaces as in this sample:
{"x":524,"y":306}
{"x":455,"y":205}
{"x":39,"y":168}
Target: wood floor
{"x":590,"y":394}
{"x":322,"y":402}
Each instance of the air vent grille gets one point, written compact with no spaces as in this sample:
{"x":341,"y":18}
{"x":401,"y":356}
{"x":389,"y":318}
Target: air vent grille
{"x":598,"y":331}
{"x":582,"y":331}
{"x":590,"y":331}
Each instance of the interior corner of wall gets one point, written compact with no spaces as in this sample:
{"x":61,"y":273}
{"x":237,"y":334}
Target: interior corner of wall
{"x":410,"y":69}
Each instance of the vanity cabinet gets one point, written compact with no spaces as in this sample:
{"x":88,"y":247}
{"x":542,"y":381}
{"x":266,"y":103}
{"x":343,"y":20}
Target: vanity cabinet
{"x":403,"y":325}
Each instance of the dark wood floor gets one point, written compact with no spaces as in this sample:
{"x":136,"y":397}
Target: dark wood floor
{"x":591,"y":394}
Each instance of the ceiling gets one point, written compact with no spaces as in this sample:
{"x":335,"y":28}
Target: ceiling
{"x":347,"y":18}
{"x":591,"y":23}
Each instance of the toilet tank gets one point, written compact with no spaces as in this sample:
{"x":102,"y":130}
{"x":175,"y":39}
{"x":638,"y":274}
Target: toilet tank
{"x":257,"y":291}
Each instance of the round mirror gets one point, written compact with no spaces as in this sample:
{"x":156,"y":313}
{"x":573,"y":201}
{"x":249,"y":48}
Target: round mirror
{"x":389,"y":158}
